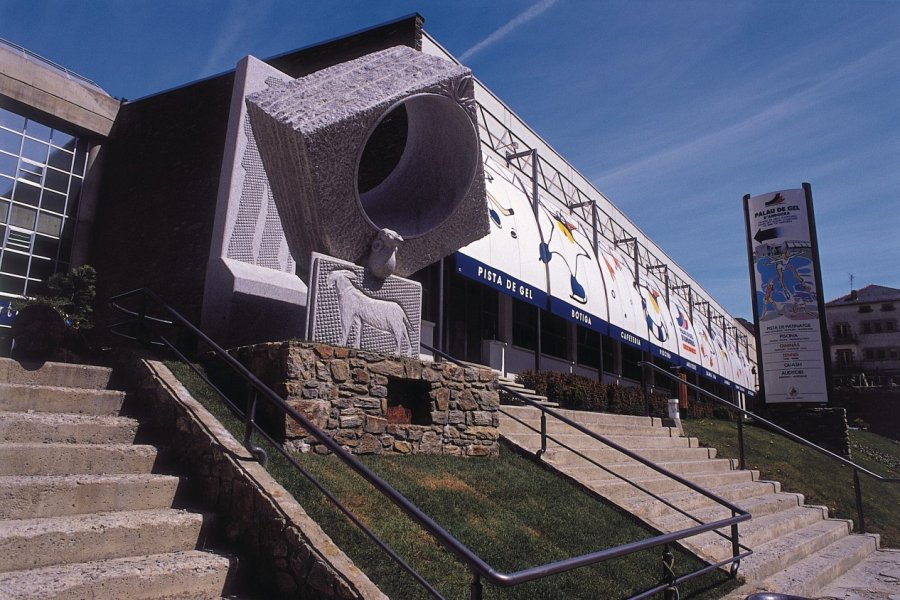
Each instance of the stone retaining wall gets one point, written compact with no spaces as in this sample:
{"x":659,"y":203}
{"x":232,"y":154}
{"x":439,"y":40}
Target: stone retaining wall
{"x":357,"y":397}
{"x":288,"y":552}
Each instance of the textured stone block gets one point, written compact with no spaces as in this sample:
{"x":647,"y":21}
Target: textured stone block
{"x":313,"y":132}
{"x":349,"y":307}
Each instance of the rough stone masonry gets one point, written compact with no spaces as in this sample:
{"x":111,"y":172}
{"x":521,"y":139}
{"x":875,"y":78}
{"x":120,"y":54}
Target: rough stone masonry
{"x":377,"y":404}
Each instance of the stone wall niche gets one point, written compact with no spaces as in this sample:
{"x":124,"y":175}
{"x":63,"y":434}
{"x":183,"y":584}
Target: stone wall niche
{"x":362,"y":400}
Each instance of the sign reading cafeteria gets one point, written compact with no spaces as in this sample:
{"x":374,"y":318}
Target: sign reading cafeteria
{"x":786,"y":296}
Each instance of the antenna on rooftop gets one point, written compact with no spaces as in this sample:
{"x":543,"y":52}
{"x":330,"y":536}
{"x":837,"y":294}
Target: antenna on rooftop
{"x":851,"y":282}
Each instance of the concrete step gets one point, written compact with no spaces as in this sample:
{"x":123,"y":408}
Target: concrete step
{"x":54,"y":374}
{"x":690,"y":500}
{"x":16,"y":397}
{"x":807,"y":577}
{"x":782,"y":552}
{"x":69,"y":459}
{"x":580,"y":441}
{"x":587,"y":418}
{"x":636,"y":470}
{"x":33,"y":543}
{"x":31,"y":497}
{"x":618,"y":490}
{"x":71,"y":428}
{"x":761,"y":530}
{"x":561,"y":456}
{"x":876,"y":577}
{"x":758,"y":506}
{"x":188,"y":574}
{"x":509,"y":425}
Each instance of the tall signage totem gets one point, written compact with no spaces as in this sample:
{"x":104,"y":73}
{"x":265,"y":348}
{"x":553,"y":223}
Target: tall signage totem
{"x":788,"y":307}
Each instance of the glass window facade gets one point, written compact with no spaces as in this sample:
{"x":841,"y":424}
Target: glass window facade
{"x":41,"y":172}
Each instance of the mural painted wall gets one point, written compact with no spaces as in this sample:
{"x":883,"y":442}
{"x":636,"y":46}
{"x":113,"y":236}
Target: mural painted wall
{"x":577,"y":290}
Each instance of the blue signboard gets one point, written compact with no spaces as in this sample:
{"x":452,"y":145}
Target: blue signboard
{"x":665,"y":354}
{"x":626,"y":337}
{"x":473,"y":269}
{"x":7,"y":315}
{"x":578,"y":315}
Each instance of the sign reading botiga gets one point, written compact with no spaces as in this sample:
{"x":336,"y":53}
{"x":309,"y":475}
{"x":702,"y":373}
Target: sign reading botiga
{"x":787,"y":305}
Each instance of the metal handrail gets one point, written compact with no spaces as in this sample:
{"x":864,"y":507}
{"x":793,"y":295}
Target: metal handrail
{"x":857,"y":469}
{"x":737,"y":511}
{"x":26,"y":53}
{"x":479,"y":568}
{"x":545,"y":436}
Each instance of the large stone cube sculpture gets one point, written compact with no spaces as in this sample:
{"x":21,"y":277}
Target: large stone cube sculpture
{"x":313,"y":132}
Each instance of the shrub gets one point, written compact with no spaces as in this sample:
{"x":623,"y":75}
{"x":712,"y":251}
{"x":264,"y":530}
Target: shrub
{"x":570,"y":391}
{"x":583,"y":393}
{"x":69,"y":294}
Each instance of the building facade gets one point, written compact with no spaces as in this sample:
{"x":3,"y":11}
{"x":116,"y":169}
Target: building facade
{"x":564,"y":281}
{"x":865,"y":337}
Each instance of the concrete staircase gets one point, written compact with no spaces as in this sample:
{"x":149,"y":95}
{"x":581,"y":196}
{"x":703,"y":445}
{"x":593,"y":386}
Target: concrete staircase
{"x":84,"y":512}
{"x":797,"y":548}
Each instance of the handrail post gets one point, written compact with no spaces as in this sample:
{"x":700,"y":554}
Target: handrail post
{"x":249,"y":424}
{"x":543,"y":434}
{"x":476,"y":591}
{"x":742,"y":460}
{"x":671,"y":591}
{"x":859,"y":503}
{"x":735,"y":547}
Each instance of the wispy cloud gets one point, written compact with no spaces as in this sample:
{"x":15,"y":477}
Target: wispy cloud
{"x":234,"y":30}
{"x":794,"y":101}
{"x":532,"y":13}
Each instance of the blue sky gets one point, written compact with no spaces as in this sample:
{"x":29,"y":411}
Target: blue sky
{"x":674,"y":109}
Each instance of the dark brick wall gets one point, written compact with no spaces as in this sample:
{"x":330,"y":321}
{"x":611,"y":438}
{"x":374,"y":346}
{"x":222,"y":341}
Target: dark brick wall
{"x":825,"y":427}
{"x":878,"y":408}
{"x":158,"y":194}
{"x":161,"y":175}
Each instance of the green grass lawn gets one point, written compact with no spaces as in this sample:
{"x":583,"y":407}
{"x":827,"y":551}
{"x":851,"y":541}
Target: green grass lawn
{"x":510,"y":511}
{"x":822,"y":480}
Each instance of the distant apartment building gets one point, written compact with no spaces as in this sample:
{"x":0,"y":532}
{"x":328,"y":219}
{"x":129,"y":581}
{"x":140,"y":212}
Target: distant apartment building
{"x":865,"y":336}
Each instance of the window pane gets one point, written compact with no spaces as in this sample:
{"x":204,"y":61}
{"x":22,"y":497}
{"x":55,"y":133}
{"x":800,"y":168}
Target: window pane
{"x":8,"y":164}
{"x":30,"y":172}
{"x":80,"y":155}
{"x":12,"y":120}
{"x":36,"y":151}
{"x":6,"y":186}
{"x":22,"y":216}
{"x":53,"y":201}
{"x":11,"y":142}
{"x":45,"y":247}
{"x":60,"y":159}
{"x":14,"y":263}
{"x":57,"y":180}
{"x":74,"y":190}
{"x":38,"y":130}
{"x":49,"y":224}
{"x":4,"y":211}
{"x":27,"y":193}
{"x":12,"y":285}
{"x":40,"y":269}
{"x":61,"y":138}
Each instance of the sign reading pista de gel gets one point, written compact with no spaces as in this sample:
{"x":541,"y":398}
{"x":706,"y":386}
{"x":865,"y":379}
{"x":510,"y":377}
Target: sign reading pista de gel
{"x":787,"y":304}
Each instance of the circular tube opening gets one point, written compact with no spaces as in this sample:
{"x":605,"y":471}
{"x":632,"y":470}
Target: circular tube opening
{"x":413,"y":172}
